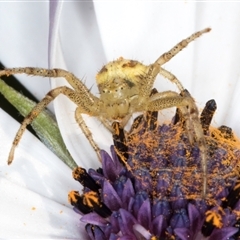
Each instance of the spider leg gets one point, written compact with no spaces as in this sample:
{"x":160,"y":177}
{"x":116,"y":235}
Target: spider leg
{"x":87,"y":97}
{"x":170,"y":99}
{"x":156,"y":68}
{"x":152,"y":117}
{"x":189,"y":111}
{"x":34,"y":113}
{"x":81,"y":96}
{"x":87,"y":132}
{"x":166,"y":99}
{"x":200,"y":139}
{"x":145,"y":123}
{"x":179,"y":47}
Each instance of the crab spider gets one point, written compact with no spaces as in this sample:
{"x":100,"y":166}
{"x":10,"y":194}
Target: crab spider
{"x":125,"y":88}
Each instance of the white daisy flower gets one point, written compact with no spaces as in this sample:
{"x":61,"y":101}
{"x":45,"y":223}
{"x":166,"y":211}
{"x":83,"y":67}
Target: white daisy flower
{"x":83,"y":37}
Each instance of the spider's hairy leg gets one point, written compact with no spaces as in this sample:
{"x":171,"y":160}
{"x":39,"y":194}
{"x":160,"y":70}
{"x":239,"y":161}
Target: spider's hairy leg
{"x":168,"y":99}
{"x":179,"y":47}
{"x":167,"y":56}
{"x":81,"y":96}
{"x":87,"y":132}
{"x":76,"y":83}
{"x":34,"y":113}
{"x":163,"y":100}
{"x":152,"y":117}
{"x":199,"y":137}
{"x":189,"y":111}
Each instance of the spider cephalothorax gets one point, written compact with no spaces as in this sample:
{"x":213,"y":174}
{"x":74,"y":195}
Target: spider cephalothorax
{"x":125,"y":88}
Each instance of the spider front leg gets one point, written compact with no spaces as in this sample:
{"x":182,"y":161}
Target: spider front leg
{"x":167,"y":56}
{"x":81,"y":96}
{"x":156,"y":67}
{"x":189,"y":111}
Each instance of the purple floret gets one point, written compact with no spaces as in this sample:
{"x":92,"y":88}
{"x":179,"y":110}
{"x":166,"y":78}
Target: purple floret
{"x":151,"y":186}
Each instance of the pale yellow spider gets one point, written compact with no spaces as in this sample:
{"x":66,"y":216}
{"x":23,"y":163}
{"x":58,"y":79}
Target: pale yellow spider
{"x":125,"y":88}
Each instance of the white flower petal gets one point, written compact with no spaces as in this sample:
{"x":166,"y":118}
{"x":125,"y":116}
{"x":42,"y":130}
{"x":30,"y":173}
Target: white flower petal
{"x":208,"y":68}
{"x":137,"y":30}
{"x":233,"y":114}
{"x":25,"y":214}
{"x":75,"y":140}
{"x":24,"y":40}
{"x":34,"y":166}
{"x":216,"y":64}
{"x":143,"y":31}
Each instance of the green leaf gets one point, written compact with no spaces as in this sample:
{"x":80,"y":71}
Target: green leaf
{"x":44,"y":125}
